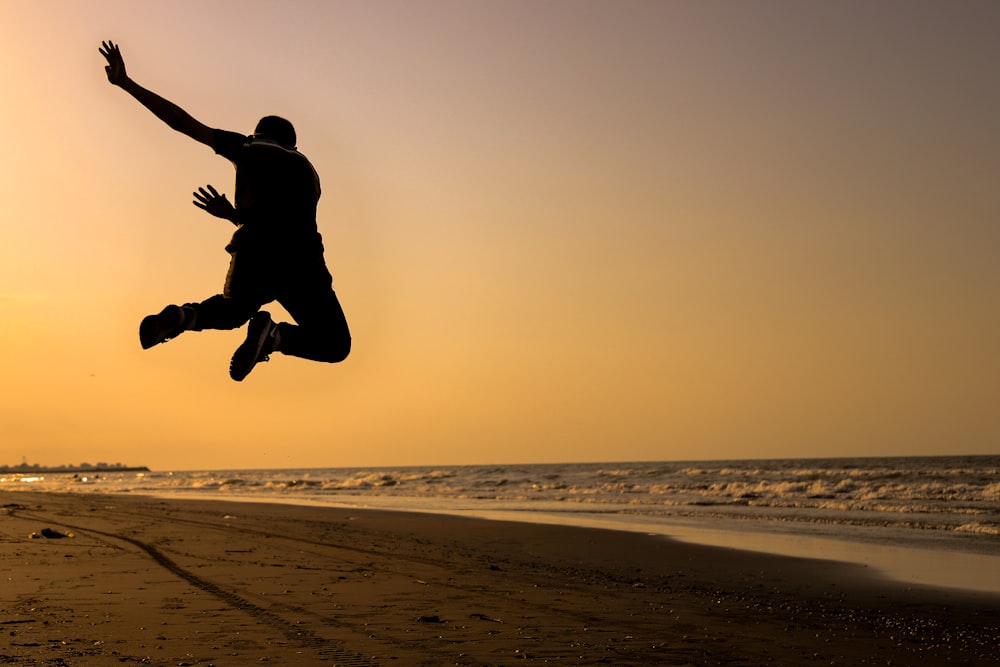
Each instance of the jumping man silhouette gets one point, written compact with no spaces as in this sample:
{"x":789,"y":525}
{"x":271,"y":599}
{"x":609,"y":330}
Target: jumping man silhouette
{"x":276,"y":251}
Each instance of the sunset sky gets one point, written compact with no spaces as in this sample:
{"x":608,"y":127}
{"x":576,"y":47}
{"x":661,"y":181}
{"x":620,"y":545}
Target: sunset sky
{"x":562,"y":230}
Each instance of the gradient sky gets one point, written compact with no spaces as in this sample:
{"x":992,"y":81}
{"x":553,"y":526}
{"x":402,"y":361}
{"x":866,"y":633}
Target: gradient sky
{"x":562,"y":230}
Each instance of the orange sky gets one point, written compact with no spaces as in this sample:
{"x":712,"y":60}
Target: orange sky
{"x":562,"y":231}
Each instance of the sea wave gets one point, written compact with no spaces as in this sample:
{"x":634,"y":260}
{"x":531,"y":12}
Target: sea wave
{"x":955,"y":495}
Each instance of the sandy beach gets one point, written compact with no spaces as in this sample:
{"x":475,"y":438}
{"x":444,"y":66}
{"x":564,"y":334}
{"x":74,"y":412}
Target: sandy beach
{"x":102,"y":580}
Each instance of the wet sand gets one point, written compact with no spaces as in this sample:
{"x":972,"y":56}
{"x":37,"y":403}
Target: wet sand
{"x":189,"y":582}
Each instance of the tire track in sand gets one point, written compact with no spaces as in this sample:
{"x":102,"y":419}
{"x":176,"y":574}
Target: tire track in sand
{"x":304,"y":637}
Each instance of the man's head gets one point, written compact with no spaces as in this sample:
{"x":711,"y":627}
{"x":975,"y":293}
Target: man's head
{"x":278,"y":129}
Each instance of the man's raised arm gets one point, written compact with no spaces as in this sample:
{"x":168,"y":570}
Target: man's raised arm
{"x":165,"y":110}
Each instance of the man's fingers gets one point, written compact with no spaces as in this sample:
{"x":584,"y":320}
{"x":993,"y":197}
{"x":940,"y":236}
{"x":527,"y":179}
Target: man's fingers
{"x":210,"y":200}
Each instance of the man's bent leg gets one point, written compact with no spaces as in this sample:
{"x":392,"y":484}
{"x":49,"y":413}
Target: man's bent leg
{"x":320,"y":333}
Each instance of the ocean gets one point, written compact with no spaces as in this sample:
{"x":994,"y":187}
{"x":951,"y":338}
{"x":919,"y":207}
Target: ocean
{"x":924,"y":520}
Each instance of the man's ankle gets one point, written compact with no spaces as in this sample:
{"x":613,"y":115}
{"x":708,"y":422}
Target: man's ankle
{"x":275,"y":338}
{"x":190,"y":317}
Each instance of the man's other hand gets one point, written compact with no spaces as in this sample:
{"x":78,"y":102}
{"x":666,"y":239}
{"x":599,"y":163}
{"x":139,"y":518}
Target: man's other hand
{"x":210,"y":200}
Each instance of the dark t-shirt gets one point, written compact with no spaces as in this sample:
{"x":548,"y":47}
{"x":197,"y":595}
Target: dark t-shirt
{"x":277,"y":190}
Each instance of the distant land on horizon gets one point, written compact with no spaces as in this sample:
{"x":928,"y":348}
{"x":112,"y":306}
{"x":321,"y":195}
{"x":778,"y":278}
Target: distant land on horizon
{"x":80,"y":467}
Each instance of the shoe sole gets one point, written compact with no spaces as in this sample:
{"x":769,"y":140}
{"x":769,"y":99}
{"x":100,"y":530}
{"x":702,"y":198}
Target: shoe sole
{"x":247,"y":355}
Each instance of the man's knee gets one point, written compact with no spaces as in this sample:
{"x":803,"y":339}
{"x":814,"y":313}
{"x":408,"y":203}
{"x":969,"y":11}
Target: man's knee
{"x":339,"y":351}
{"x":315,"y":344}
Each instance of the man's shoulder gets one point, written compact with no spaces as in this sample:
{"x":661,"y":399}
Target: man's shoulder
{"x":227,"y":143}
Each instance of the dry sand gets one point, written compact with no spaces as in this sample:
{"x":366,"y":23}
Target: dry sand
{"x":191,"y":582}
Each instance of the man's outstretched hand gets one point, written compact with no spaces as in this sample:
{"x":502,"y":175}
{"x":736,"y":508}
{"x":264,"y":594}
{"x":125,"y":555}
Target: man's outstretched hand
{"x":116,"y":64}
{"x":210,"y":200}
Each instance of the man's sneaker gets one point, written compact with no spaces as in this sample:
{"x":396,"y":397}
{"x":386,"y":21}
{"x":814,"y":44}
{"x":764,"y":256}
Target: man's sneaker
{"x":261,"y":341}
{"x":159,"y":328}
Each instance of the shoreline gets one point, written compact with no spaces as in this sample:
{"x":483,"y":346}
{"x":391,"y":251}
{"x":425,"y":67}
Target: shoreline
{"x":227,"y":583}
{"x":898,"y":560}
